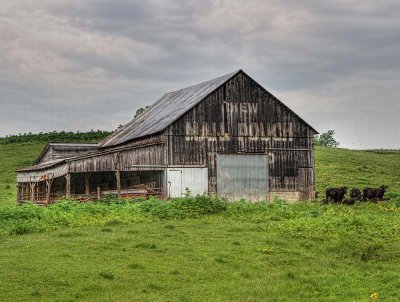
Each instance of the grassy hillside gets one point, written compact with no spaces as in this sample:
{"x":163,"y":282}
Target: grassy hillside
{"x":13,"y":157}
{"x":334,"y":167}
{"x":353,"y":168}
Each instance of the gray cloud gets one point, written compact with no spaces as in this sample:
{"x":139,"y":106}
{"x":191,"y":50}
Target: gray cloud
{"x":78,"y":65}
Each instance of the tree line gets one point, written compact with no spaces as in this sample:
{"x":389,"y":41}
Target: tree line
{"x":56,"y":137}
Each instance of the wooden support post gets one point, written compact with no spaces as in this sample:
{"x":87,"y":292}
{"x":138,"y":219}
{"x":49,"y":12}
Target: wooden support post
{"x":68,"y":185}
{"x":87,"y":184}
{"x":49,"y":182}
{"x":32,"y":186}
{"x":26,"y":191}
{"x":118,"y":177}
{"x":18,"y":192}
{"x":116,"y":160}
{"x":165,"y":185}
{"x":98,"y":193}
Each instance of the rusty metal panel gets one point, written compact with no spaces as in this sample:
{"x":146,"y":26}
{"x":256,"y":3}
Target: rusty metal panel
{"x":242,"y":176}
{"x":195,"y":179}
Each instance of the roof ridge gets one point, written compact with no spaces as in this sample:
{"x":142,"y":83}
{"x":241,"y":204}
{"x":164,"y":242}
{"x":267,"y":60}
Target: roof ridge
{"x":204,"y":82}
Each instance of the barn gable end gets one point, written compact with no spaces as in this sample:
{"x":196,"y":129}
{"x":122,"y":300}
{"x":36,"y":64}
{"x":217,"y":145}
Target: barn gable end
{"x":241,"y":117}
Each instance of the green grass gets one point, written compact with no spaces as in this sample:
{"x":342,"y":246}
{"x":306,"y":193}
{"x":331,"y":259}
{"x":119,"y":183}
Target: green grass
{"x":247,"y":252}
{"x":204,"y":249}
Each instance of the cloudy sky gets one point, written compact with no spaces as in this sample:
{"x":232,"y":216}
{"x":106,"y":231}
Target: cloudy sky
{"x":81,"y":65}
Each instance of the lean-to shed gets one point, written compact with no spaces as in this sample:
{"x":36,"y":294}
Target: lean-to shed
{"x":228,"y":136}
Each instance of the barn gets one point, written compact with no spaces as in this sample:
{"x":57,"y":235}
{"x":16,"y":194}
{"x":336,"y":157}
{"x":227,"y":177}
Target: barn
{"x":227,"y":136}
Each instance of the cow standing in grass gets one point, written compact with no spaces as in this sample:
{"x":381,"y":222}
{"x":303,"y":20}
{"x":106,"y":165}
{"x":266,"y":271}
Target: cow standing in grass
{"x":335,"y":195}
{"x":374,"y":194}
{"x":355,"y":195}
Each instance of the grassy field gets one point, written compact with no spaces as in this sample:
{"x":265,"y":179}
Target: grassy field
{"x":244,"y":252}
{"x":204,"y":249}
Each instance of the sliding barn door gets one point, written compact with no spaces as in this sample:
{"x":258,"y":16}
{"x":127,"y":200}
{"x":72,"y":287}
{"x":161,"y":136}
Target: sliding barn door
{"x":242,"y":176}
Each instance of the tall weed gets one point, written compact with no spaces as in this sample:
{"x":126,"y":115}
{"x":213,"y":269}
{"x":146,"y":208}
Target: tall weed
{"x":30,"y":218}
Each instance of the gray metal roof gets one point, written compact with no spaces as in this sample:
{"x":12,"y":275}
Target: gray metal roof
{"x":165,"y":111}
{"x":42,"y":166}
{"x":67,"y":147}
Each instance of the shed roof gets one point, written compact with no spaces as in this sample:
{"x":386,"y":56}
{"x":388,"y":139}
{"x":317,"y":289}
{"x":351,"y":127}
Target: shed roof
{"x":42,"y":166}
{"x":67,"y":147}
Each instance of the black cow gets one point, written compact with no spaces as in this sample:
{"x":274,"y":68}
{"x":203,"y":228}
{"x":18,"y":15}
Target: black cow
{"x":335,"y":194}
{"x":355,"y":195}
{"x":351,"y":201}
{"x":374,"y":194}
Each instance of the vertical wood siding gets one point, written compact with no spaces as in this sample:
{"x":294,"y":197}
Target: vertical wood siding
{"x":142,"y":152}
{"x":242,"y":117}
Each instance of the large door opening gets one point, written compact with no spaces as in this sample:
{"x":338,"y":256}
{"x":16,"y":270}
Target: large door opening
{"x":242,"y":176}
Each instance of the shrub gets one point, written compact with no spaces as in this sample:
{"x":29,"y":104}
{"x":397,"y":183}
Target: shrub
{"x":22,"y":229}
{"x":109,"y":211}
{"x":198,"y":205}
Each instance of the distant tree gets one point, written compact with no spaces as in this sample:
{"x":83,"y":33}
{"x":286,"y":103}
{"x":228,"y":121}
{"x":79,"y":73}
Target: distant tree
{"x":326,"y":139}
{"x":140,"y":111}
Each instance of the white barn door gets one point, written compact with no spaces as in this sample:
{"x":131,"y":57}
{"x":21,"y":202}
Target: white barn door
{"x":174,"y":183}
{"x":195,"y":179}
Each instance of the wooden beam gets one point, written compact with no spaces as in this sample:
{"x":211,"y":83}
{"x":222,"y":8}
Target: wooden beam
{"x":49,"y":183}
{"x":118,"y":177}
{"x":87,"y":184}
{"x":117,"y":167}
{"x":68,"y":185}
{"x":32,"y":186}
{"x":18,"y":192}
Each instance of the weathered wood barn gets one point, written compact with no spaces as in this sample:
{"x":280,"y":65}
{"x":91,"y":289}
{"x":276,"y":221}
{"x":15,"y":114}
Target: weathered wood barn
{"x":228,"y":136}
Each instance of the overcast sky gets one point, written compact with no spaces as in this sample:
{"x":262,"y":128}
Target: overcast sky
{"x":81,"y":65}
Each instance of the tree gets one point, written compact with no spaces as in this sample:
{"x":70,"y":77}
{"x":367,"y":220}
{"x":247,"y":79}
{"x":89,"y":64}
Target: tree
{"x":326,"y":139}
{"x":140,"y":111}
